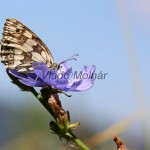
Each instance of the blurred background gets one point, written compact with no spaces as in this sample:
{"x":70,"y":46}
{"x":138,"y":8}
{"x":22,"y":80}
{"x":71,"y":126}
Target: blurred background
{"x":112,"y":35}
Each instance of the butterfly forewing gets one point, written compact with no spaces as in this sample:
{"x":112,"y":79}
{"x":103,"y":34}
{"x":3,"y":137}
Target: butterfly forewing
{"x":20,"y":47}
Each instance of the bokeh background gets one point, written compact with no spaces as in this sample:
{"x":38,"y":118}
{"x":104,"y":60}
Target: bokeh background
{"x":112,"y":35}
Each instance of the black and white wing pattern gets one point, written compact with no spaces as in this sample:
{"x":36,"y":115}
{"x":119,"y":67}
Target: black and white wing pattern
{"x":20,"y":47}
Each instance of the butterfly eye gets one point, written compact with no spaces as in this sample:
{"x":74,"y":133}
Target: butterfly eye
{"x":59,"y":67}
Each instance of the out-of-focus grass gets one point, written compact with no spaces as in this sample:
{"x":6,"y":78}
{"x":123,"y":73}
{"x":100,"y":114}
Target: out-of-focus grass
{"x":109,"y":133}
{"x":26,"y":127}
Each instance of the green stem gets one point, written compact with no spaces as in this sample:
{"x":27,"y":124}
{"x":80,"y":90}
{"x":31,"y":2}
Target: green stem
{"x":81,"y":144}
{"x":72,"y":136}
{"x":78,"y":142}
{"x":41,"y":100}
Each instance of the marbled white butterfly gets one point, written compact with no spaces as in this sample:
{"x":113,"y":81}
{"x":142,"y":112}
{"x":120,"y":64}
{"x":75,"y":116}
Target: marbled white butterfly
{"x":20,"y":47}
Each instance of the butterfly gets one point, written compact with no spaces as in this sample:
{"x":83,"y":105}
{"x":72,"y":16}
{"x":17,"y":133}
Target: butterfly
{"x":20,"y":47}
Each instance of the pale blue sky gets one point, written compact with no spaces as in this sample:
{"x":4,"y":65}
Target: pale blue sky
{"x":96,"y":31}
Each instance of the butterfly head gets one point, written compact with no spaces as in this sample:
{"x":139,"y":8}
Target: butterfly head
{"x":56,"y":66}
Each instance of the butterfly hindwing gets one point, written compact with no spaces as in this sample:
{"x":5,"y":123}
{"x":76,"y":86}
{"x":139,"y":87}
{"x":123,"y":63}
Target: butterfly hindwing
{"x":20,"y":47}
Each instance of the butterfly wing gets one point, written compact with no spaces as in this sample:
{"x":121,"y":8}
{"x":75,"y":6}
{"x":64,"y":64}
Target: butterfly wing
{"x":20,"y":47}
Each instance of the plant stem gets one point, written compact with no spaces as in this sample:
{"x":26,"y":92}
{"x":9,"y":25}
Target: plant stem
{"x":81,"y":144}
{"x":72,"y":136}
{"x":78,"y":142}
{"x":39,"y":97}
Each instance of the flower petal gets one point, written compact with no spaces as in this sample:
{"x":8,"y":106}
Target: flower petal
{"x":74,"y":86}
{"x":39,"y":68}
{"x":32,"y":83}
{"x":17,"y":74}
{"x":32,"y":76}
{"x":62,"y":79}
{"x":81,"y":84}
{"x":46,"y":75}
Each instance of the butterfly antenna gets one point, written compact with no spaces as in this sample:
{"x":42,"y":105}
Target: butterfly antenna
{"x":70,"y":58}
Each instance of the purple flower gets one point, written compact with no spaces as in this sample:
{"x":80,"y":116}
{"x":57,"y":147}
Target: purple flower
{"x":63,"y":79}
